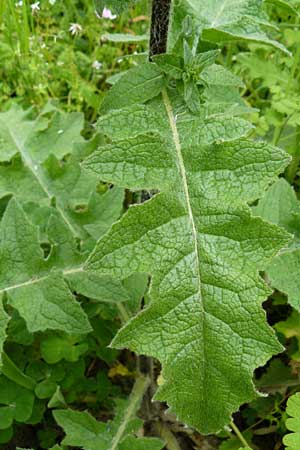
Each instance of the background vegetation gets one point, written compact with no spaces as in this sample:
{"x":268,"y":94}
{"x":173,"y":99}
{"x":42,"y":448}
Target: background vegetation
{"x":58,"y":57}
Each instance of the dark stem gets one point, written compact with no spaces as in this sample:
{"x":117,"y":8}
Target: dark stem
{"x":158,"y":42}
{"x":159,"y":26}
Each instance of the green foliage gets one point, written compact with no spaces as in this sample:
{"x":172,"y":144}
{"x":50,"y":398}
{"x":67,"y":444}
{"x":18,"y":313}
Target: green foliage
{"x":64,"y":203}
{"x":198,"y":228}
{"x":222,"y":21}
{"x":16,"y":403}
{"x":84,"y":431}
{"x":281,"y":206}
{"x":292,"y":440}
{"x":59,"y":51}
{"x":47,"y":230}
{"x":116,"y":5}
{"x":175,"y":131}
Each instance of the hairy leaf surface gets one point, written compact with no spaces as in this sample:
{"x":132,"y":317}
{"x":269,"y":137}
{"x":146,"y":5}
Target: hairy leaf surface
{"x":59,"y":208}
{"x":200,"y":244}
{"x":226,"y":20}
{"x":40,"y":163}
{"x":281,"y":206}
{"x":41,"y":296}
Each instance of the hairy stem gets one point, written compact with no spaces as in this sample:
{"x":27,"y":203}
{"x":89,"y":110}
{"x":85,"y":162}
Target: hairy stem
{"x":159,"y":26}
{"x":137,"y":394}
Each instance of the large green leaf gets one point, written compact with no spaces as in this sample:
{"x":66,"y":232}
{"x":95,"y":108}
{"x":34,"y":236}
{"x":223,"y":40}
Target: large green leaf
{"x":281,"y":206}
{"x":41,"y":296}
{"x":40,"y":163}
{"x":60,"y":209}
{"x":224,"y":21}
{"x":200,"y":244}
{"x":83,"y":430}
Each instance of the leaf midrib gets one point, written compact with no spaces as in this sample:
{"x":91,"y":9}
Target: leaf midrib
{"x":182,"y":171}
{"x":219,"y":14}
{"x":37,"y":280}
{"x":36,"y":172}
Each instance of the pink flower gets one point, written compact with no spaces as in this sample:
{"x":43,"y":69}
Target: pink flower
{"x":107,"y":14}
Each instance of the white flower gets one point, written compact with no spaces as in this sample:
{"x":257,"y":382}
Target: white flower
{"x":20,"y":3}
{"x":35,"y":7}
{"x":97,"y":65}
{"x":52,"y":2}
{"x":107,"y":14}
{"x":75,"y":28}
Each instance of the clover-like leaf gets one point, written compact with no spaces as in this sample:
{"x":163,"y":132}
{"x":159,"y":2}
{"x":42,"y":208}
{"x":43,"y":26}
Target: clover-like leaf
{"x":292,"y":440}
{"x":16,"y":403}
{"x":200,"y":244}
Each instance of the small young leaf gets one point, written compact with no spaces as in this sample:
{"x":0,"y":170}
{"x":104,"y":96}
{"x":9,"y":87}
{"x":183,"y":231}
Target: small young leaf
{"x":54,"y":348}
{"x":137,"y":85}
{"x":57,"y":400}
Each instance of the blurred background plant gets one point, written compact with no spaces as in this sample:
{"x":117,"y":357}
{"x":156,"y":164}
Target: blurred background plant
{"x":58,"y":50}
{"x":272,"y":82}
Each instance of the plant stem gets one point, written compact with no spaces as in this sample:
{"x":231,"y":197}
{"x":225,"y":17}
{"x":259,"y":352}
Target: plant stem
{"x":13,"y":373}
{"x":125,"y":316}
{"x":136,"y":396}
{"x":239,"y":434}
{"x":159,"y":26}
{"x":167,"y":435}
